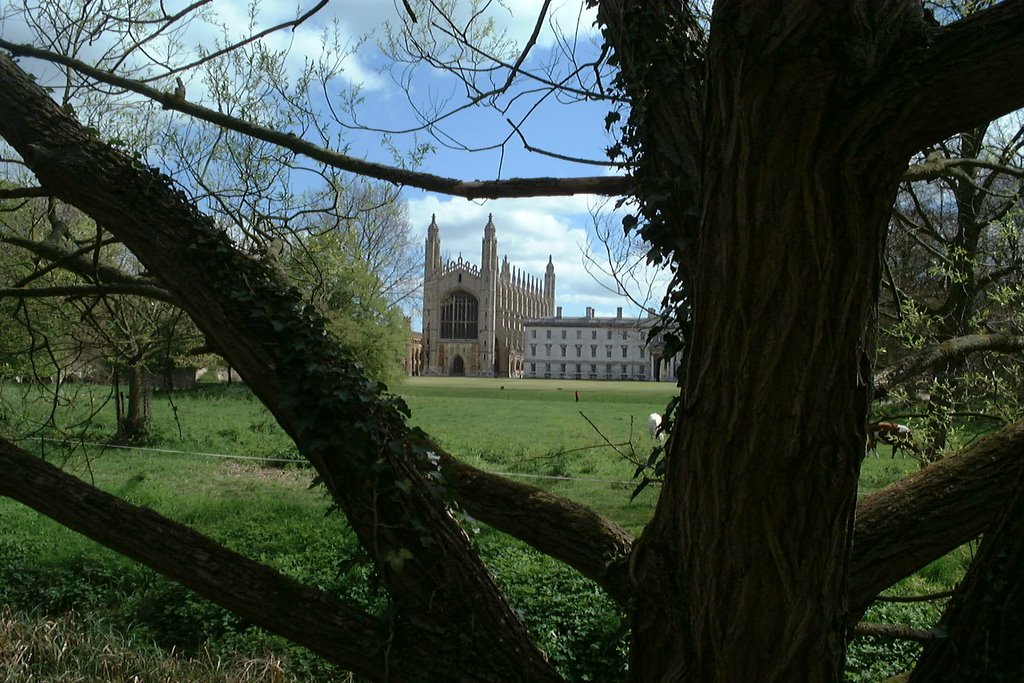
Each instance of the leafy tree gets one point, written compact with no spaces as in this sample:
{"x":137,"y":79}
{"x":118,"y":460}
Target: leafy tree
{"x":65,"y":323}
{"x":953,"y":280}
{"x":350,"y":294}
{"x":765,"y":145}
{"x":140,"y":339}
{"x":258,"y":191}
{"x":25,"y":349}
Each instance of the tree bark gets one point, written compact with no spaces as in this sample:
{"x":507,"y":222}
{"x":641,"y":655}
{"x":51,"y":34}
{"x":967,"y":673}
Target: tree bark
{"x":963,"y":76}
{"x":918,"y":519}
{"x":984,"y":622}
{"x":743,"y":570}
{"x":802,"y":152}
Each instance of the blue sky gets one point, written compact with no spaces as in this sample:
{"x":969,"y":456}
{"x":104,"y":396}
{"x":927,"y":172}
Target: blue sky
{"x":529,"y":230}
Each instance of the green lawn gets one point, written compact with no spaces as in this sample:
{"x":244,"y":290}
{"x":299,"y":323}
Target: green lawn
{"x":536,"y":430}
{"x":532,"y":429}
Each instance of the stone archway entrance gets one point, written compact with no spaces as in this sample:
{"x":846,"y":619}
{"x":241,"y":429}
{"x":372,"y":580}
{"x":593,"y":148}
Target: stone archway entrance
{"x":458,"y":367}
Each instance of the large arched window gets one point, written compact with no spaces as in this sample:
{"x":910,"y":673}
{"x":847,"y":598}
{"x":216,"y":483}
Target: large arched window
{"x":458,"y":316}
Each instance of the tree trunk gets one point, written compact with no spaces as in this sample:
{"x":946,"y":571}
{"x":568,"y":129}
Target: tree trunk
{"x":743,"y":570}
{"x":132,"y":423}
{"x":984,"y":621}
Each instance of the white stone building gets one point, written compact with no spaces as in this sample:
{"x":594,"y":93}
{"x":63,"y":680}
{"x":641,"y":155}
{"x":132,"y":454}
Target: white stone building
{"x":590,"y":347}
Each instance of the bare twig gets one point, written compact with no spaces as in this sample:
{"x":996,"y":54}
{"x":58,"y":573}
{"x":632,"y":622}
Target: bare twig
{"x":23,"y":192}
{"x":148,"y":291}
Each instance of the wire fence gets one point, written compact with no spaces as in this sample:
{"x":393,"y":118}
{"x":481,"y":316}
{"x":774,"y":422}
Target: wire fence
{"x":299,"y":459}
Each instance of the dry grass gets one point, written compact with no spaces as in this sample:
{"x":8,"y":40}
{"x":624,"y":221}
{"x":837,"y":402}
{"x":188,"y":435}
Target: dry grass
{"x":65,"y":650}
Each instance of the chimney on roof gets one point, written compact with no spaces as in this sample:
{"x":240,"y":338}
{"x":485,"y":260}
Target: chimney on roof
{"x":590,"y":311}
{"x":618,"y":312}
{"x":559,"y":313}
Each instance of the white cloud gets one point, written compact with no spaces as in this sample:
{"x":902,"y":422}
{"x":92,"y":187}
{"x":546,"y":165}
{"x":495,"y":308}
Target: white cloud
{"x":565,"y":18}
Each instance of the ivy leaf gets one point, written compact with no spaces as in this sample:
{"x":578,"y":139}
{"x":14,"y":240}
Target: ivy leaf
{"x":629,"y":221}
{"x":611,"y":119}
{"x":396,"y":559}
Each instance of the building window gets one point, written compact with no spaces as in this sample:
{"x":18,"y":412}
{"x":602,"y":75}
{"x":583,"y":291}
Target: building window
{"x":563,"y":369}
{"x":563,"y":334}
{"x":641,"y":352}
{"x":459,"y":316}
{"x":579,"y":350}
{"x":593,"y":368}
{"x":593,"y":334}
{"x":623,"y":369}
{"x":593,"y":351}
{"x":577,"y":368}
{"x":625,"y":335}
{"x":533,"y":368}
{"x":547,"y":368}
{"x":609,"y":334}
{"x":549,"y":334}
{"x":579,"y":334}
{"x":608,"y":351}
{"x":547,"y":349}
{"x":625,"y":352}
{"x":533,"y":334}
{"x":563,"y":350}
{"x":533,"y":349}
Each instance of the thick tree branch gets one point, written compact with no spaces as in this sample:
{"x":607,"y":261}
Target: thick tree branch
{"x":970,"y":74}
{"x":573,"y":533}
{"x":983,"y":623}
{"x":916,"y":520}
{"x":147,"y":291}
{"x":23,"y":192}
{"x":103,"y":275}
{"x":895,"y":632}
{"x":354,"y":433}
{"x":932,"y":169}
{"x":312,"y":618}
{"x":922,"y":360}
{"x":470,"y":189}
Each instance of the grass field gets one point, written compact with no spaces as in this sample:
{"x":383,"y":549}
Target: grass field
{"x":535,"y":429}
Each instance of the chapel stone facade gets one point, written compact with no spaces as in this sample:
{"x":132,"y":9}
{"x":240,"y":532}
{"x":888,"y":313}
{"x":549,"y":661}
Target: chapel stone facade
{"x":473,"y":315}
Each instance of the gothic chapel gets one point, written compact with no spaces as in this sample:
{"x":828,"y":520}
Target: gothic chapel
{"x":473,"y":316}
